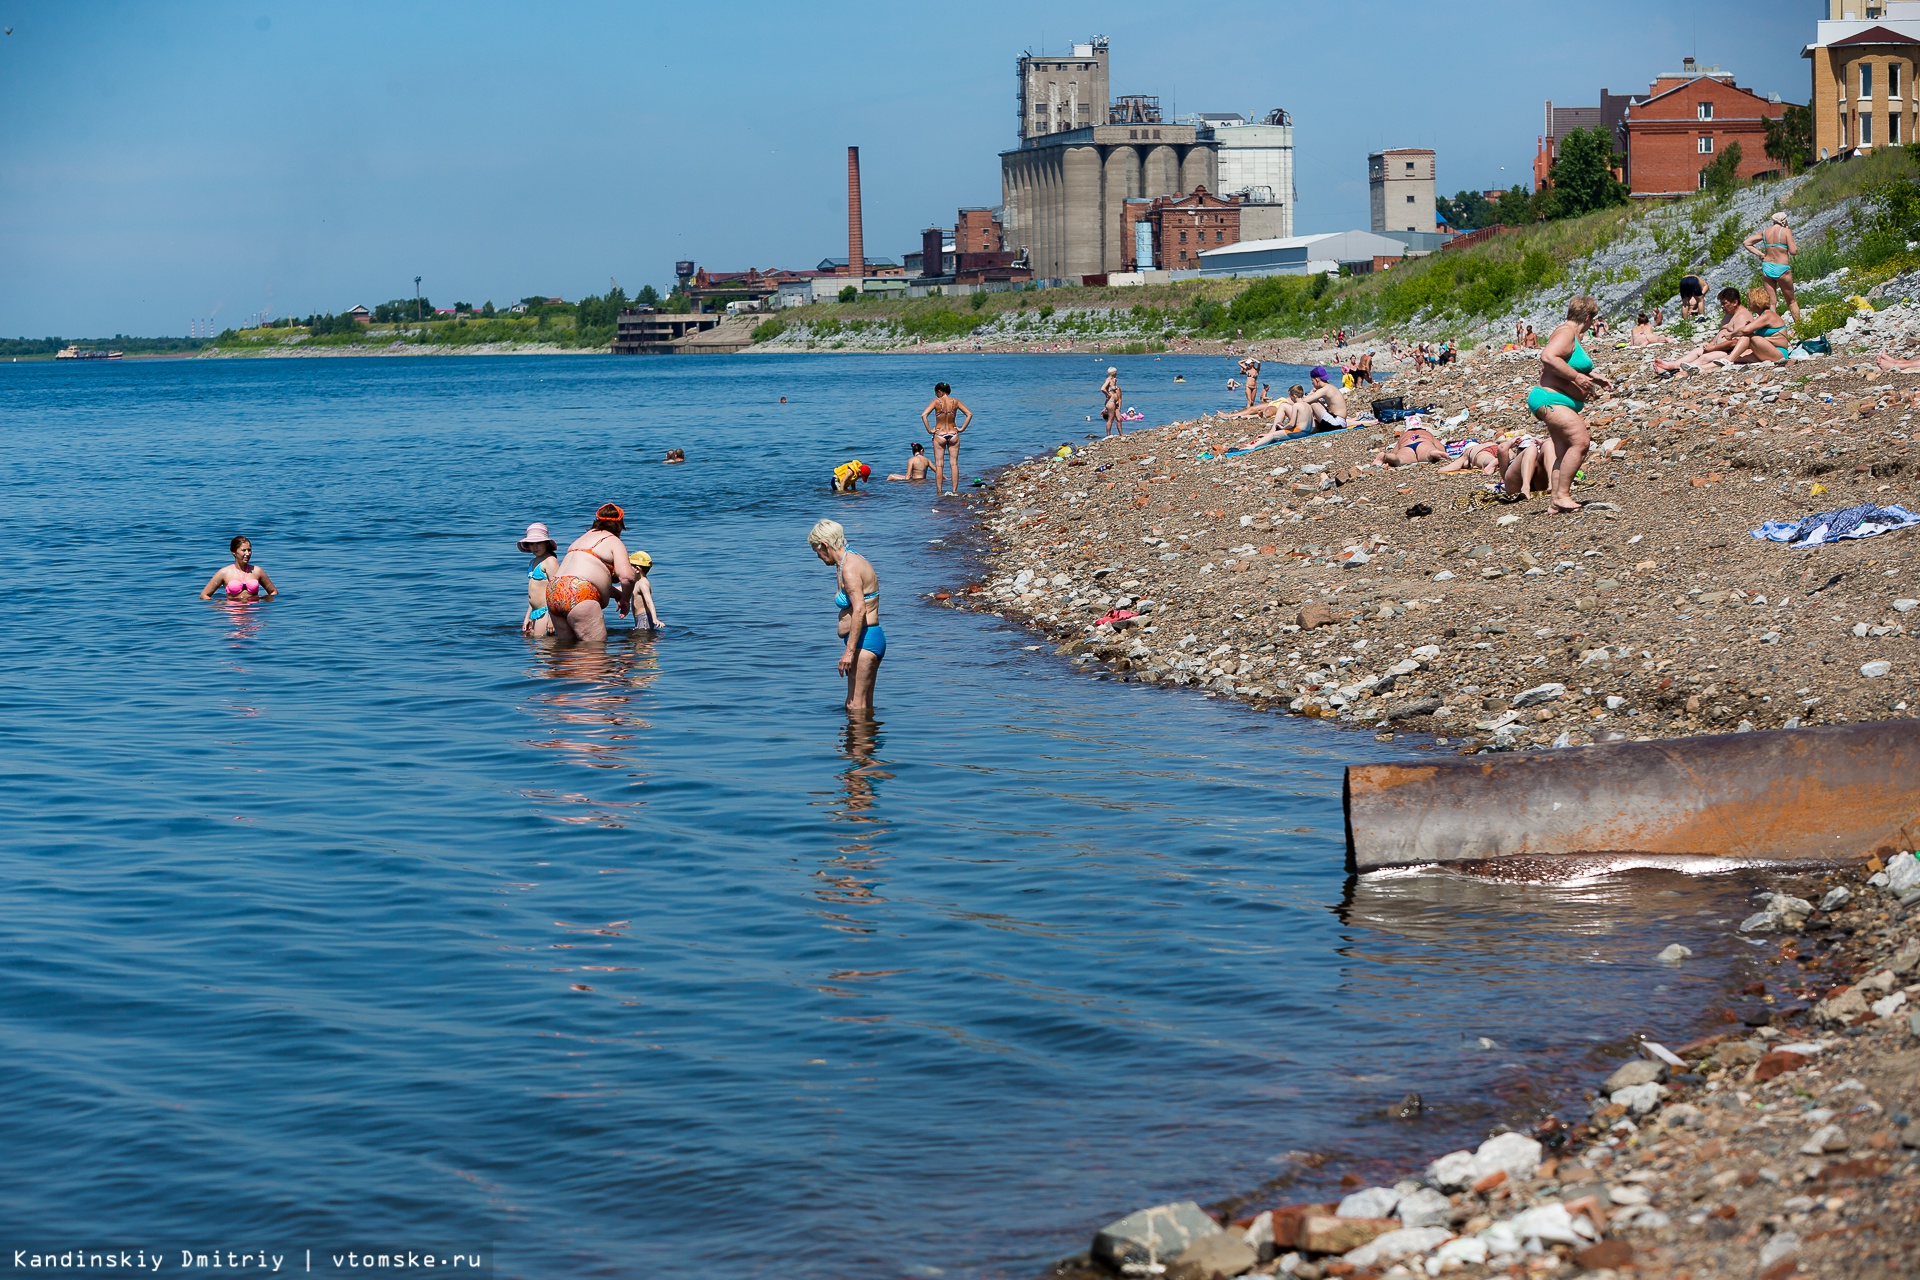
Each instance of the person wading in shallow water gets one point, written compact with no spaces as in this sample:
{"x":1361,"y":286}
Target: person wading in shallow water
{"x":577,"y":598}
{"x":946,"y":431}
{"x":859,"y":604}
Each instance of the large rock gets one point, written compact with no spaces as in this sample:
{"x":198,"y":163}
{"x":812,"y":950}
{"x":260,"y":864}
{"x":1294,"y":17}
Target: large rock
{"x":1514,"y":1154}
{"x":1153,"y":1235}
{"x":1216,"y":1257}
{"x":1638,"y":1098}
{"x":1331,"y":1234}
{"x":1395,"y":1245}
{"x":1903,"y":872}
{"x":1374,"y":1202}
{"x":1424,"y":1208}
{"x":1639,"y":1071}
{"x":1841,"y":1009}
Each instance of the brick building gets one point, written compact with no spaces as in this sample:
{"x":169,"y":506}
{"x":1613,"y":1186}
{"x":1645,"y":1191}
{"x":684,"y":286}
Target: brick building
{"x":1178,"y":228}
{"x":1687,"y":118}
{"x":1864,"y":58}
{"x":978,"y":231}
{"x":1610,"y":115}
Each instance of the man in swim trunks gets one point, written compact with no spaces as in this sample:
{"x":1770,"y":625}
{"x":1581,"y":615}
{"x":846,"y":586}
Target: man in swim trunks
{"x":1363,"y":371}
{"x":1250,"y":371}
{"x":1414,"y":444}
{"x":1110,"y":413}
{"x":577,"y":598}
{"x":945,"y":431}
{"x":918,"y":465}
{"x":1326,"y":402}
{"x":1774,"y":245}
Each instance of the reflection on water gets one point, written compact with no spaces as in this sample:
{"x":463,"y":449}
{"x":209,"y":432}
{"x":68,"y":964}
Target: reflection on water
{"x":591,"y":696}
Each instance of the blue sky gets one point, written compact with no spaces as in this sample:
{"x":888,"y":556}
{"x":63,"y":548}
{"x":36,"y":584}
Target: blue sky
{"x":163,"y":161}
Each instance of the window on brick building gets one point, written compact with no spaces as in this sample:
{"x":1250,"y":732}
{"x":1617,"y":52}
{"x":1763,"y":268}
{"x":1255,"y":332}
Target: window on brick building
{"x":1219,"y":237}
{"x":1893,"y":79}
{"x":1705,"y":111}
{"x":1866,"y":131}
{"x":1893,"y":128}
{"x":1183,"y":240}
{"x":1866,"y":79}
{"x":1843,"y":133}
{"x":1705,"y":146}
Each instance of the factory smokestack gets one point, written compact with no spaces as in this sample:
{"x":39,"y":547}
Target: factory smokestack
{"x":856,"y":253}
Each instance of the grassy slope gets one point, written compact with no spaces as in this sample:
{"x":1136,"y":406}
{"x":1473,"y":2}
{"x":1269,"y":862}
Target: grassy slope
{"x":557,"y":331}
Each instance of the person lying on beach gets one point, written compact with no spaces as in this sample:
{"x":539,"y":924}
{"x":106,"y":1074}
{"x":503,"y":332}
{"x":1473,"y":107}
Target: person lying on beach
{"x":1891,"y":363}
{"x":1414,"y":444}
{"x":1326,"y":402}
{"x":1291,"y":418}
{"x":545,"y":569}
{"x":243,"y":579}
{"x":642,"y":589}
{"x":594,"y":571}
{"x":1474,"y":455}
{"x":848,"y":475}
{"x":917,"y":466}
{"x":1645,"y":335}
{"x":1755,"y":344}
{"x":1717,"y":349}
{"x":1529,"y":465}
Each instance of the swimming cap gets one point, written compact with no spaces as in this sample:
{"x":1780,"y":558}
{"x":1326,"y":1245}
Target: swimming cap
{"x":640,"y":560}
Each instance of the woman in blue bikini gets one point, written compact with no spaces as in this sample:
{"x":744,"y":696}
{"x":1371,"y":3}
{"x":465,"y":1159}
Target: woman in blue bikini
{"x":1773,"y":244}
{"x":546,"y":567}
{"x":1567,"y":381}
{"x":859,"y":624}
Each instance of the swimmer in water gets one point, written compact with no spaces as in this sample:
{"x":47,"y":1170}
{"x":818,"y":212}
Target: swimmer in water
{"x":674,"y":457}
{"x":848,"y":475}
{"x":546,"y":568}
{"x":946,"y":431}
{"x":243,"y":579}
{"x":859,"y":623}
{"x":642,"y":589}
{"x":918,"y":465}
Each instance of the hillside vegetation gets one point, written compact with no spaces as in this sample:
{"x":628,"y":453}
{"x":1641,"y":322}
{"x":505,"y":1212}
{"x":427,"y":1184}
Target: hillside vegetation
{"x":1854,"y":222}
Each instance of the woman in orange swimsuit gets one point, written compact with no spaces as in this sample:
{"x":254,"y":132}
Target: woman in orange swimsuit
{"x":578,"y":596}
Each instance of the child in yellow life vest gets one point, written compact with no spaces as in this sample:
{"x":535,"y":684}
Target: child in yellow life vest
{"x":848,"y":475}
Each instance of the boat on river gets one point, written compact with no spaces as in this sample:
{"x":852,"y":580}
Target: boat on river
{"x":75,"y":353}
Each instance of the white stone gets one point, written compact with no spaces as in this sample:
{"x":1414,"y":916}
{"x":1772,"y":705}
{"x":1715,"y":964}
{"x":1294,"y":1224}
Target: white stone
{"x":1886,"y":1008}
{"x":1508,"y":519}
{"x":1829,"y":1137}
{"x":1515,"y":1153}
{"x":1424,"y":1208}
{"x":1905,"y":606}
{"x":1836,"y":898}
{"x":1454,"y":1171}
{"x":1374,"y":1202}
{"x":1903,"y":872}
{"x":1639,"y":1098}
{"x":1469,"y":1250}
{"x":1615,"y":702}
{"x":1445,"y":575}
{"x":1674,"y":954}
{"x":1538,"y":694}
{"x":1394,"y":1245}
{"x":1782,"y":1244}
{"x":1427,"y":652}
{"x":1875,"y":669}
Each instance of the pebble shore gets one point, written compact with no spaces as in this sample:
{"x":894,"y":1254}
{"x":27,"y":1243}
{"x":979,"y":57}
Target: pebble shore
{"x":1304,"y":579}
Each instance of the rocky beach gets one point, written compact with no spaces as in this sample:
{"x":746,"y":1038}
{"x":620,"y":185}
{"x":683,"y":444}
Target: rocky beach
{"x":1306,"y":579}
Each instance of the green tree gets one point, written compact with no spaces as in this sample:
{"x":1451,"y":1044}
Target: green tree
{"x":979,"y":299}
{"x":648,"y":296}
{"x":1583,"y":178}
{"x":849,"y":294}
{"x":1467,"y":211}
{"x":488,"y":309}
{"x":1790,"y":140}
{"x":1514,"y":208}
{"x":1722,"y":175}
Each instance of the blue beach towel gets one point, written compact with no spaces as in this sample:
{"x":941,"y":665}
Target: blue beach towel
{"x":1863,"y":521}
{"x":1241,"y":453}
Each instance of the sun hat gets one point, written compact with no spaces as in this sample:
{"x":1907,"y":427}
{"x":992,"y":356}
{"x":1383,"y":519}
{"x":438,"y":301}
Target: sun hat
{"x":1780,"y":216}
{"x":536,"y":533}
{"x":640,"y":560}
{"x":610,"y":511}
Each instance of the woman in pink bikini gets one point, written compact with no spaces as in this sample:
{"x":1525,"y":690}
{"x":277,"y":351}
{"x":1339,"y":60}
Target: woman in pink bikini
{"x":241,"y":580}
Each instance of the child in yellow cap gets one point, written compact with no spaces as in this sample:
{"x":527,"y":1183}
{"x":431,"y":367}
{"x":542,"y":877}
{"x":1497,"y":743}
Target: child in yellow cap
{"x":642,"y":591}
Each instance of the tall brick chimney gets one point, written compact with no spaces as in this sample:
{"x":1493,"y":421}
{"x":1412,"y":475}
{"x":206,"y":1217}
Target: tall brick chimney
{"x":856,"y":253}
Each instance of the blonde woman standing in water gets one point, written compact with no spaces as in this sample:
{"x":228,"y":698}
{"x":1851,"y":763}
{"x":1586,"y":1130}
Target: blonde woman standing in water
{"x":859,"y":604}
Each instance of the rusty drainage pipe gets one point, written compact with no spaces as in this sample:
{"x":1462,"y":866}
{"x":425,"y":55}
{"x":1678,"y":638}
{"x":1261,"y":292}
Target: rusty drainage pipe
{"x":1791,"y":795}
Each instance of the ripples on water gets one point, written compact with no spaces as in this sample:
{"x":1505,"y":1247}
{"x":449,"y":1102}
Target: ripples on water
{"x":357,"y":915}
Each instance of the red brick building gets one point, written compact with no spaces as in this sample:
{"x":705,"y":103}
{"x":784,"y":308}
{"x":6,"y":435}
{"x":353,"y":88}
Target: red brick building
{"x":977,"y":232}
{"x":1182,"y":226}
{"x":1686,"y":120}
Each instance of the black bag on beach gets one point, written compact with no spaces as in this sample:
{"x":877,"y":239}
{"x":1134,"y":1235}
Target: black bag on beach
{"x":1382,"y":405}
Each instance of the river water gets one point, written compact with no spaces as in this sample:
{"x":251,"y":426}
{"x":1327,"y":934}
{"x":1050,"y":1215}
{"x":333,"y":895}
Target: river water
{"x":356,"y":917}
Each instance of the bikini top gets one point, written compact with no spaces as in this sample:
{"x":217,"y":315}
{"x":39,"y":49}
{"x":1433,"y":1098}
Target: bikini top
{"x":1580,"y":361}
{"x":248,"y":586}
{"x":538,"y":573}
{"x":844,"y":603}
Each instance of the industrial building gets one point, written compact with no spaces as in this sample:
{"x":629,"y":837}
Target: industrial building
{"x":1256,"y":164}
{"x":1400,"y":184}
{"x":1358,"y":251}
{"x":1168,"y":233}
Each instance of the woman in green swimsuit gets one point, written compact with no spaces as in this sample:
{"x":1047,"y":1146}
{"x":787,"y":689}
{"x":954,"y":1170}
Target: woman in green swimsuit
{"x":1567,"y":381}
{"x":1756,"y":345}
{"x":1774,"y":245}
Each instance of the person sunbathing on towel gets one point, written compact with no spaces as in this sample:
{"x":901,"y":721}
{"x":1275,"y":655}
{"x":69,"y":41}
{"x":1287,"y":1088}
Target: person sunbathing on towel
{"x":1327,"y":402}
{"x":1487,"y":459}
{"x":1897,"y":362}
{"x":1414,"y":444}
{"x":1291,"y":418}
